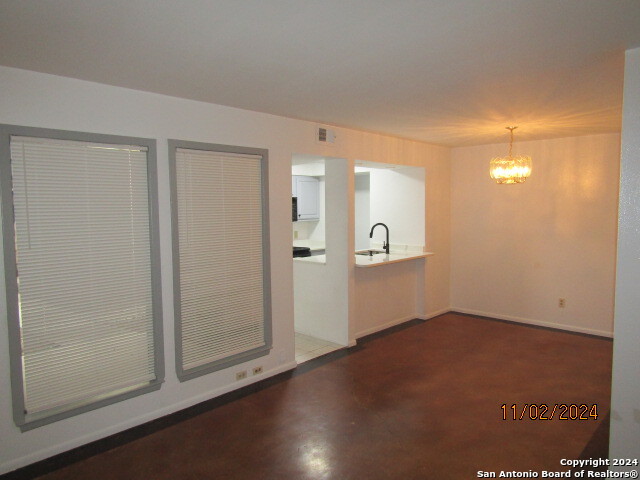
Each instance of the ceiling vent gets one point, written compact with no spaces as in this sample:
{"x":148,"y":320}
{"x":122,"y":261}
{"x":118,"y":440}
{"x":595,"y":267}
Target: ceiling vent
{"x":325,"y":135}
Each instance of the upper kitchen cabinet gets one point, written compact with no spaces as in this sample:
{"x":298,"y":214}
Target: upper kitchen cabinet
{"x":307,"y":190}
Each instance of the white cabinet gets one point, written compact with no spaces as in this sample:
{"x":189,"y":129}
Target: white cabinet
{"x":307,"y":189}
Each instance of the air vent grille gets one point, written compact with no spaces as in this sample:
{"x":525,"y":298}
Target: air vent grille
{"x":326,"y":135}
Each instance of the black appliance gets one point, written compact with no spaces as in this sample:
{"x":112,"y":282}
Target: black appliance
{"x":301,"y":252}
{"x":294,"y":209}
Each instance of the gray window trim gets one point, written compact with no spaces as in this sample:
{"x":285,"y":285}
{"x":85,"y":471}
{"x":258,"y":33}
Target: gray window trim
{"x":221,"y":364}
{"x":13,"y":319}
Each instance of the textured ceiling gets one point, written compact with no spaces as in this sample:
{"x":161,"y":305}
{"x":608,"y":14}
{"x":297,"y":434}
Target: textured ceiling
{"x":450,"y":72}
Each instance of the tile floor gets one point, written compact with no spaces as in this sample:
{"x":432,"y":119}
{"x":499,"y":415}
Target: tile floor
{"x":308,"y":348}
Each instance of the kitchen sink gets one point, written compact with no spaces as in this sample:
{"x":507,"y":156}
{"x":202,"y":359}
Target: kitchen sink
{"x":370,"y":252}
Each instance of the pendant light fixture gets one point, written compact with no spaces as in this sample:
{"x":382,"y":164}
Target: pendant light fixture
{"x":510,"y":169}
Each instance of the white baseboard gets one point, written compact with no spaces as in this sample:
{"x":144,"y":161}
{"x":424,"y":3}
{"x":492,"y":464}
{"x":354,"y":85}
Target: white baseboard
{"x":44,"y":453}
{"x":384,"y":326}
{"x":431,"y":315}
{"x":397,"y":321}
{"x":539,"y":323}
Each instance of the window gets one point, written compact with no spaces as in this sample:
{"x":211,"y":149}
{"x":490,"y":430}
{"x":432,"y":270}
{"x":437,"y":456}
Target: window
{"x":80,"y":235}
{"x":221,"y":262}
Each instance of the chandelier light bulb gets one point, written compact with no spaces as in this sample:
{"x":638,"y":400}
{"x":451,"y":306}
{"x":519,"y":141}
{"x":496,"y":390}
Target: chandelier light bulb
{"x":510,"y":169}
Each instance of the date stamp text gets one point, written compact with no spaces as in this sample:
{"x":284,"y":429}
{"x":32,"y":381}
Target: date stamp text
{"x":543,"y":411}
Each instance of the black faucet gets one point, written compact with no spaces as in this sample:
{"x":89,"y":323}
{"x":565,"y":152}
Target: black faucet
{"x":385,"y":245}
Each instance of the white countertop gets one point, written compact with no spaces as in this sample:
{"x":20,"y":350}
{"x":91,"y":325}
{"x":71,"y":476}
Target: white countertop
{"x":377,"y":260}
{"x":312,"y":244}
{"x":380,"y":259}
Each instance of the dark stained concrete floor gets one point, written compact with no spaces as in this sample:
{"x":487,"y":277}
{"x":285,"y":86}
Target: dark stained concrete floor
{"x":420,"y":403}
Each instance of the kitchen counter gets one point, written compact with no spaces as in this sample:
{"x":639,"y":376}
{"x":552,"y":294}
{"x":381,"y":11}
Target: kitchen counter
{"x":314,"y":245}
{"x":381,"y":259}
{"x":317,"y":249}
{"x":376,"y":260}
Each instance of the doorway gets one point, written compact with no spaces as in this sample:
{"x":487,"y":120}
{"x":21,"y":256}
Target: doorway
{"x":320,"y":277}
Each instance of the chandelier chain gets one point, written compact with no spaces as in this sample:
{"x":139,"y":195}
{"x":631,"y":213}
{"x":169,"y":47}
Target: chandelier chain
{"x":511,"y":129}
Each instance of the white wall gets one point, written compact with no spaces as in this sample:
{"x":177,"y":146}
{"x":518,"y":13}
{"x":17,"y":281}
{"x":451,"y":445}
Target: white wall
{"x":311,"y":169}
{"x":39,"y":100}
{"x":362,"y":222}
{"x":321,"y":291}
{"x":438,"y":238}
{"x":397,"y":200}
{"x":517,"y":249}
{"x":374,"y":286}
{"x":318,"y":232}
{"x":625,"y":401}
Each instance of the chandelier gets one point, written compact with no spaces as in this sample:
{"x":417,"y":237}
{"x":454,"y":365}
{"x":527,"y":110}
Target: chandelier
{"x":510,"y":169}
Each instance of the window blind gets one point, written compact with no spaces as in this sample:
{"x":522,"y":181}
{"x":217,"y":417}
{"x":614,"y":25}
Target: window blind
{"x":82,"y":241}
{"x":221,"y":298}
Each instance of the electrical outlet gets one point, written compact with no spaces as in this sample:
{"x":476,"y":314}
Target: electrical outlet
{"x":561,"y":302}
{"x":257,"y":370}
{"x":241,"y":375}
{"x":295,"y":234}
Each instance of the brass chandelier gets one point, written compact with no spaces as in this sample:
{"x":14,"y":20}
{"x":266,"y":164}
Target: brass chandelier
{"x":510,"y":169}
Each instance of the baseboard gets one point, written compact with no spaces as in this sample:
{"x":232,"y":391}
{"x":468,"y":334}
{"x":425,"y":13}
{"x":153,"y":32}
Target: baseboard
{"x":398,"y":321}
{"x":537,"y":323}
{"x":384,"y":326}
{"x":435,"y":314}
{"x":62,"y":448}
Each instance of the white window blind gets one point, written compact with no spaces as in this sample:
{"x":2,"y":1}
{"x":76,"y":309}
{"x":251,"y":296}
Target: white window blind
{"x":220,"y":239}
{"x":82,"y":234}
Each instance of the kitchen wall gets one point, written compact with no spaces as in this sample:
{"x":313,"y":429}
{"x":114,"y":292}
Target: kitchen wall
{"x":362,"y":222}
{"x":397,"y":200}
{"x":625,"y":391}
{"x":517,"y":249}
{"x":39,"y":100}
